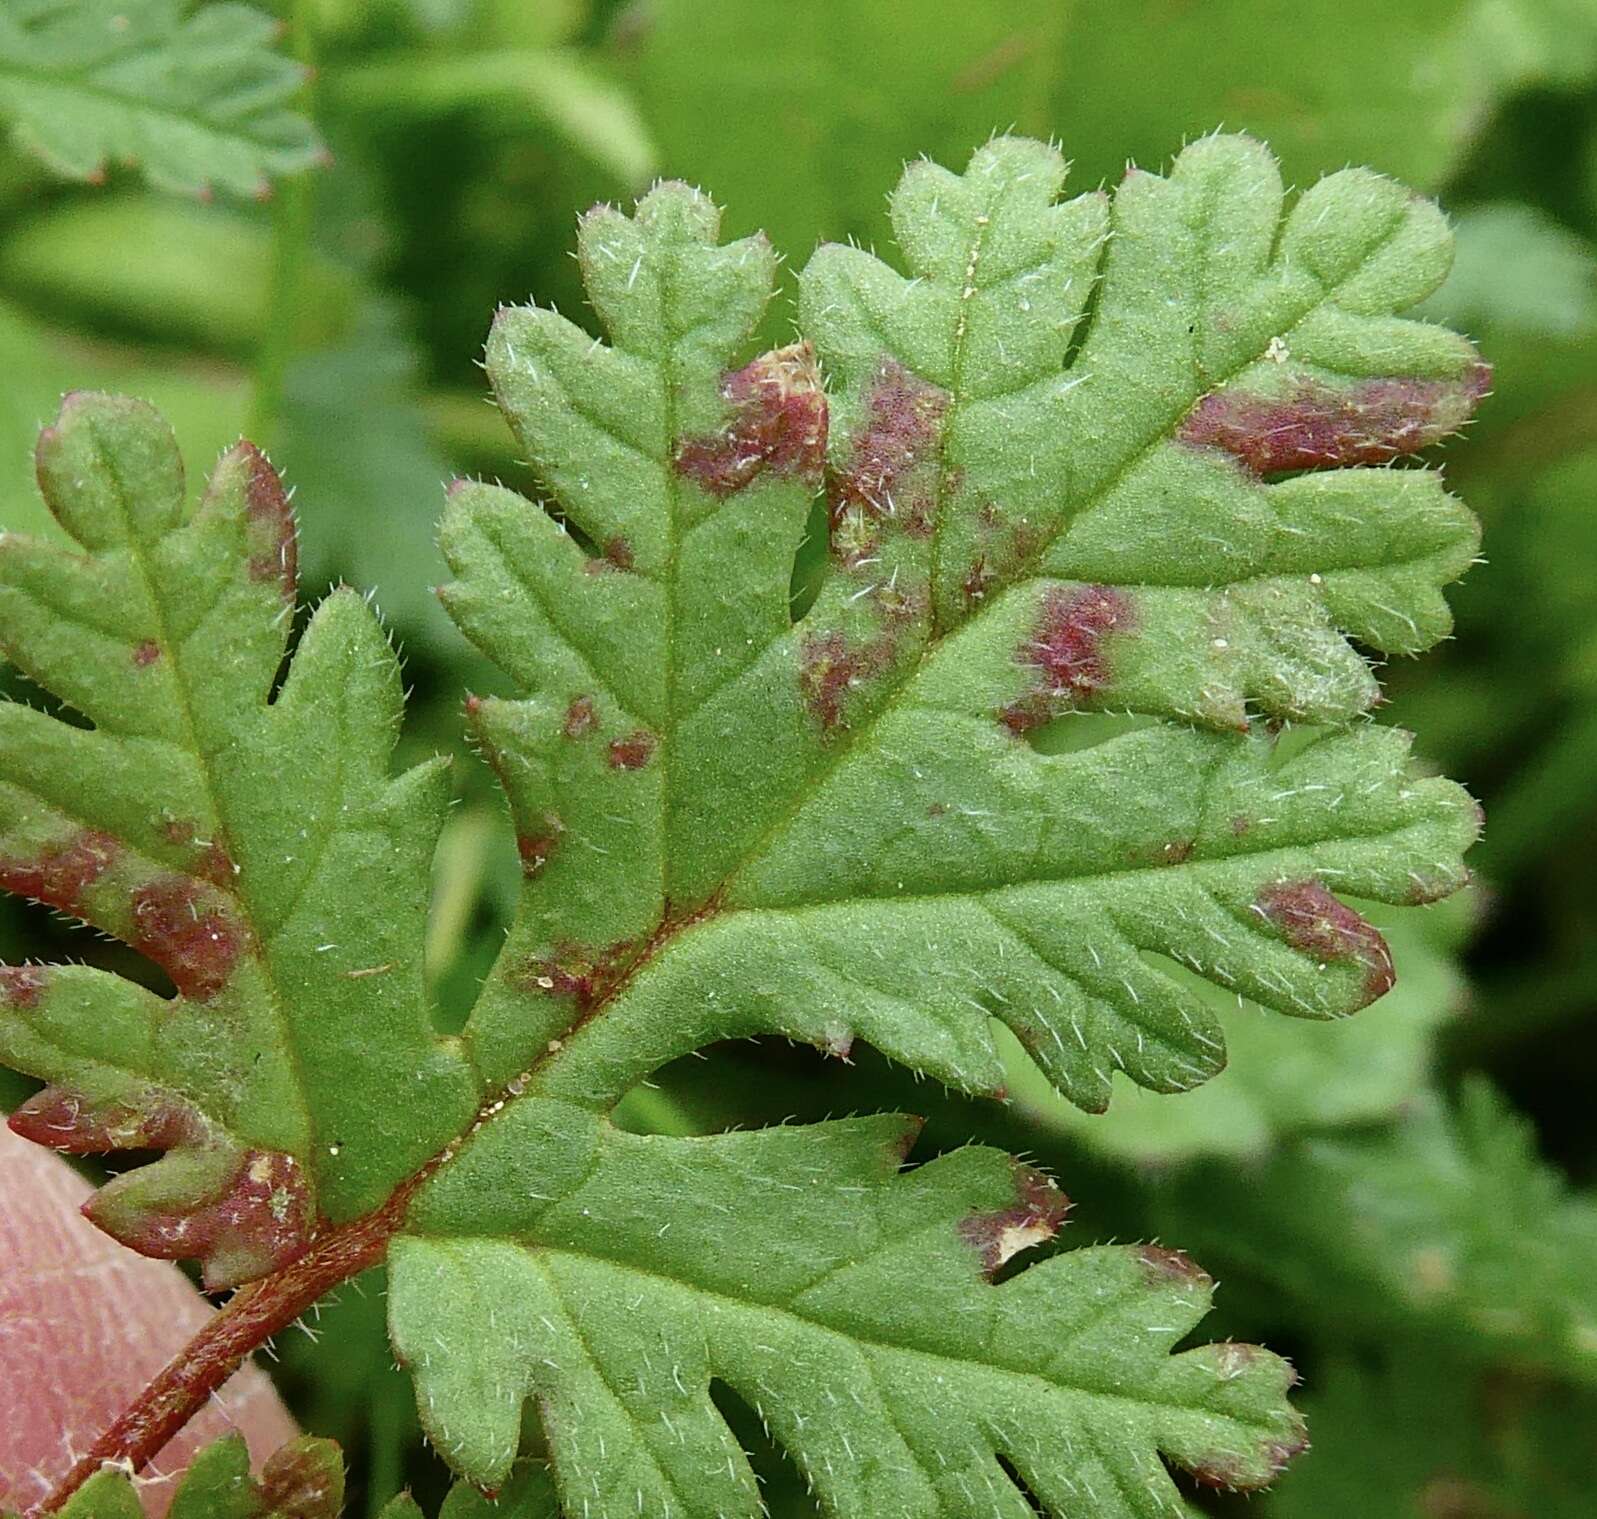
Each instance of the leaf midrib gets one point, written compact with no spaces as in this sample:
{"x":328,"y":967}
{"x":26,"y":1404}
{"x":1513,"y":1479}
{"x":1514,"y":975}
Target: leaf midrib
{"x":204,"y":758}
{"x":711,"y":909}
{"x":581,"y":1257}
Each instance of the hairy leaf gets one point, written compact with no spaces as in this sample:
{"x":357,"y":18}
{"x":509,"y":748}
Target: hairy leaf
{"x":1447,"y":1222}
{"x":838,"y":829}
{"x":1072,"y":482}
{"x":786,"y":1280}
{"x":1279,"y":1080}
{"x":223,"y":835}
{"x":198,"y":100}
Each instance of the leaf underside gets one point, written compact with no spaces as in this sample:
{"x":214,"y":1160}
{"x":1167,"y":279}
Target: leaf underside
{"x":1071,"y":720}
{"x":196,"y":99}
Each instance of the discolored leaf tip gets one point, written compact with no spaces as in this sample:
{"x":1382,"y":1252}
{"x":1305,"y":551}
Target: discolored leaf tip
{"x":1311,"y":424}
{"x":304,"y":1480}
{"x":776,"y":426}
{"x":1035,"y":1217}
{"x":1314,"y":921}
{"x":1165,"y":1265}
{"x":22,"y":985}
{"x":61,"y":874}
{"x":256,"y":1219}
{"x":1235,"y":1473}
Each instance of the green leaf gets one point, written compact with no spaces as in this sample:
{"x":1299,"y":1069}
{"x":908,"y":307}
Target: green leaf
{"x":838,"y":830}
{"x":786,"y":1280}
{"x":559,"y":86}
{"x":302,"y":1480}
{"x":1003,"y":764}
{"x":1279,"y":1080}
{"x":224,"y":836}
{"x":196,"y":100}
{"x":206,"y":400}
{"x":1448,"y":1223}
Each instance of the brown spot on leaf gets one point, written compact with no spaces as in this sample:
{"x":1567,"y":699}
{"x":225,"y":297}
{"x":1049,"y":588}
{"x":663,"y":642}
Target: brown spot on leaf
{"x":890,"y":475}
{"x":576,"y":971}
{"x":830,"y":665}
{"x":1310,"y":919}
{"x":1233,"y":1473}
{"x":257,"y":1222}
{"x":1066,"y":650}
{"x":582,"y":717}
{"x":534,"y":849}
{"x":22,"y":985}
{"x":146,"y":652}
{"x":1317,"y":425}
{"x":304,"y":1480}
{"x":618,"y":553}
{"x":61,"y":1119}
{"x":777,"y":426}
{"x":632,"y":752}
{"x":1067,"y":647}
{"x":1038,"y":1211}
{"x":61,"y":875}
{"x":193,"y":942}
{"x":274,"y":548}
{"x":1173,"y":1266}
{"x":210,"y":858}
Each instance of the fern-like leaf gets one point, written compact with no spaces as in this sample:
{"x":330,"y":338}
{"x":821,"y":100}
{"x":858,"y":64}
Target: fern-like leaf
{"x":844,"y":1302}
{"x":837,"y":828}
{"x":294,"y":1079}
{"x":198,"y":100}
{"x":1053,"y":460}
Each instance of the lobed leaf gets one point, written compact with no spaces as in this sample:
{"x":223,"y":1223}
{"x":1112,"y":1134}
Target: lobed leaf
{"x":223,"y":835}
{"x":1069,"y":482}
{"x":1447,"y":1223}
{"x":1279,"y":1080}
{"x":778,"y":1263}
{"x":198,"y":100}
{"x":837,"y":828}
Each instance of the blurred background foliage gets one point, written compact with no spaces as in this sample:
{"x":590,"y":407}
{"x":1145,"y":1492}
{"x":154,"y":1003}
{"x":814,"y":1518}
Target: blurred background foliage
{"x":1404,"y":1203}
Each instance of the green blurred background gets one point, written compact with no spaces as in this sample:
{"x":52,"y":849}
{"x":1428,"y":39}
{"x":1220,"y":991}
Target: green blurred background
{"x":1404,"y":1204}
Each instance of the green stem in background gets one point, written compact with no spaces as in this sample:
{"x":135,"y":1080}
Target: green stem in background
{"x":291,"y":247}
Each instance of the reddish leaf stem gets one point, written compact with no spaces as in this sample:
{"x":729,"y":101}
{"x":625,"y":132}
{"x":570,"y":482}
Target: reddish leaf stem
{"x":251,"y":1317}
{"x":267,"y":1307}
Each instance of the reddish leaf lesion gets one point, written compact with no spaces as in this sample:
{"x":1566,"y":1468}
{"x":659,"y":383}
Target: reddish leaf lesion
{"x":243,"y":1213}
{"x":1312,"y":424}
{"x":1315,"y":922}
{"x":889,"y":477}
{"x":1035,"y":1217}
{"x":1067,"y":651}
{"x":776,"y":426}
